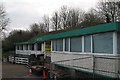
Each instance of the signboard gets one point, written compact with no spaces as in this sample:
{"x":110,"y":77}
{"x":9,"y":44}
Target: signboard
{"x":48,"y":47}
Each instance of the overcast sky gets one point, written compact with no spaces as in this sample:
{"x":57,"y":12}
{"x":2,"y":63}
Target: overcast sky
{"x":22,"y":13}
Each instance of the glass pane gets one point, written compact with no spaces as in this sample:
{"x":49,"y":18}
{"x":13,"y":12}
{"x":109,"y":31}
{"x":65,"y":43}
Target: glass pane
{"x":67,"y":44}
{"x":26,"y":46}
{"x":21,"y":47}
{"x":76,"y":44}
{"x":59,"y":45}
{"x":32,"y":47}
{"x":17,"y":47}
{"x":118,"y":42}
{"x":53,"y":45}
{"x":103,"y":43}
{"x":87,"y":43}
{"x":39,"y":46}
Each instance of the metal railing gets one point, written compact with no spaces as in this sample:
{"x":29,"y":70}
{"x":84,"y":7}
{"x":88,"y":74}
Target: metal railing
{"x":97,"y":65}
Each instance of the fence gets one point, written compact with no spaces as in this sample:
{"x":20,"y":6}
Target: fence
{"x":95,"y":65}
{"x":11,"y":59}
{"x":18,"y":60}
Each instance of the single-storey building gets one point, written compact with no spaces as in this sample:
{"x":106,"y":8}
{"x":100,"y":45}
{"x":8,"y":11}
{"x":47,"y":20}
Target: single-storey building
{"x":93,"y":49}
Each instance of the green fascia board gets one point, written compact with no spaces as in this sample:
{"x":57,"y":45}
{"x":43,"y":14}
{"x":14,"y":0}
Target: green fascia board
{"x":89,"y":30}
{"x":84,"y":31}
{"x":114,"y":26}
{"x":118,"y":26}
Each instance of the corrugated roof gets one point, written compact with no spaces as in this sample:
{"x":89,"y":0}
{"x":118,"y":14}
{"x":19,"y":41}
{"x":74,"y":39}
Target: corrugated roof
{"x":115,"y":26}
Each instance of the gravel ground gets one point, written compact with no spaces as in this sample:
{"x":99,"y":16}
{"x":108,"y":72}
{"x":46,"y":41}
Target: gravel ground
{"x":17,"y":72}
{"x":10,"y":70}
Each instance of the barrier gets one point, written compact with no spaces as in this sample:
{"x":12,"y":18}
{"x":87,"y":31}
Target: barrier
{"x":18,"y":60}
{"x":96,"y":66}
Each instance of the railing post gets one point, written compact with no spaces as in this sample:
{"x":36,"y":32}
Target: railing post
{"x":93,"y":67}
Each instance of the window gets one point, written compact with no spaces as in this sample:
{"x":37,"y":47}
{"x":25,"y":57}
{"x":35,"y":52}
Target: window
{"x":59,"y":45}
{"x":26,"y":47}
{"x":103,"y":43}
{"x":76,"y":44}
{"x":67,"y":44}
{"x":21,"y":47}
{"x":17,"y":47}
{"x":54,"y":45}
{"x":39,"y":46}
{"x":87,"y":43}
{"x":32,"y":47}
{"x":118,"y":42}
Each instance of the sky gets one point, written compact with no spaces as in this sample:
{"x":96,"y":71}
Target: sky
{"x":23,"y":13}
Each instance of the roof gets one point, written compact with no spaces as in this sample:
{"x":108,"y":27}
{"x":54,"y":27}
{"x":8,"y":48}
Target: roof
{"x":114,"y":26}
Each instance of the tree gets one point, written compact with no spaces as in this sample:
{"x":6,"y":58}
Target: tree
{"x":67,"y":18}
{"x":3,"y":18}
{"x":75,"y":17}
{"x":14,"y":37}
{"x":35,"y":28}
{"x":64,"y":17}
{"x":3,"y":21}
{"x":46,"y":23}
{"x":91,"y":18}
{"x":56,"y":21}
{"x":109,"y":10}
{"x":38,"y":28}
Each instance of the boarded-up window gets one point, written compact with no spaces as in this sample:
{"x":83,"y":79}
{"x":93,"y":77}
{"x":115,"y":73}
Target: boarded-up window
{"x":87,"y":43}
{"x":76,"y":44}
{"x":59,"y":45}
{"x":118,"y":42}
{"x":39,"y":47}
{"x":17,"y":47}
{"x":53,"y":45}
{"x":67,"y":44}
{"x":20,"y":47}
{"x":26,"y":46}
{"x":103,"y":43}
{"x":32,"y":47}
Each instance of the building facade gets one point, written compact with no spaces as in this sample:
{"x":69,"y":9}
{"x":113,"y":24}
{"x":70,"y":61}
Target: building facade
{"x":93,"y":49}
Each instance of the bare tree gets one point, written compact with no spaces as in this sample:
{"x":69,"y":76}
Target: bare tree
{"x":3,"y":18}
{"x":3,"y":22}
{"x":91,"y":18}
{"x":75,"y":17}
{"x":109,"y":10}
{"x":64,"y":17}
{"x":46,"y":23}
{"x":56,"y":21}
{"x":71,"y":17}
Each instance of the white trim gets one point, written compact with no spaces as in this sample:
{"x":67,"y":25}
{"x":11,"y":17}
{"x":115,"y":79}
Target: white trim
{"x":42,"y":47}
{"x":83,"y":44}
{"x":28,"y":46}
{"x":63,"y":44}
{"x":16,"y":47}
{"x":69,"y":45}
{"x":91,"y":43}
{"x":23,"y":46}
{"x":35,"y":46}
{"x":51,"y":45}
{"x":115,"y":43}
{"x":80,"y":53}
